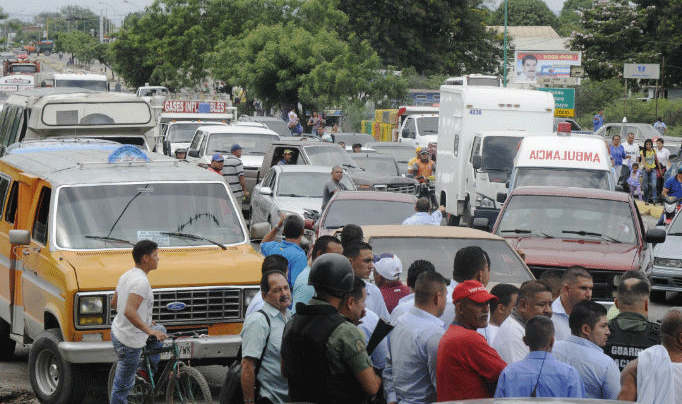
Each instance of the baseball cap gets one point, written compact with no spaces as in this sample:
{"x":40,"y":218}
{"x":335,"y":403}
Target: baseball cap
{"x":235,"y":147}
{"x":388,"y":266}
{"x":288,"y":151}
{"x":473,"y":290}
{"x":217,"y":157}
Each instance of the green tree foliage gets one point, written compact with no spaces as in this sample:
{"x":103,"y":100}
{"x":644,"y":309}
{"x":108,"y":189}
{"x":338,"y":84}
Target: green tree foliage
{"x":612,"y":34}
{"x":524,"y":13}
{"x":571,"y":12}
{"x":287,"y":63}
{"x":669,"y":40}
{"x":3,"y":15}
{"x":83,"y":46}
{"x":433,"y":36}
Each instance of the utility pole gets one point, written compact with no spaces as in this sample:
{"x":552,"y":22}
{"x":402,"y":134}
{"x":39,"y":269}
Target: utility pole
{"x":504,"y":62}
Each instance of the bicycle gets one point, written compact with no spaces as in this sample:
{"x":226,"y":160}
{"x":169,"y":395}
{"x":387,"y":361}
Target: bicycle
{"x":428,"y":191}
{"x":181,"y":382}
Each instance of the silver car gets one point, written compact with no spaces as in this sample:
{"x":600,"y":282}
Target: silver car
{"x":666,"y":275}
{"x":291,"y":189}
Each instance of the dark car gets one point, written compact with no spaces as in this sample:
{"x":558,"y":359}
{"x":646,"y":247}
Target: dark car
{"x":401,"y":152}
{"x":557,"y":228}
{"x":376,"y":163}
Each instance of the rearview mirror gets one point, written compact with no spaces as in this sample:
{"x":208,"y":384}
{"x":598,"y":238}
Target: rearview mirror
{"x":655,"y":236}
{"x":476,"y":162}
{"x":259,"y":230}
{"x":193,"y":153}
{"x":19,"y":237}
{"x":501,"y":197}
{"x":265,"y":191}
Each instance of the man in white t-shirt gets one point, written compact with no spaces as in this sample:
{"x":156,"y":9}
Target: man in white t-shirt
{"x":631,"y":150}
{"x":133,"y":323}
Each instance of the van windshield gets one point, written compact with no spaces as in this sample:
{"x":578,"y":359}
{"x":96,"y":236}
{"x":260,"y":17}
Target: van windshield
{"x":427,"y":125}
{"x":557,"y":177}
{"x":119,"y":215}
{"x":95,"y":85}
{"x":498,"y":153}
{"x":96,"y":113}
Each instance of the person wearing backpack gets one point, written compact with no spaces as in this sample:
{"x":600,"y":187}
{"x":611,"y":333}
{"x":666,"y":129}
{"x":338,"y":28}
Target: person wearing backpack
{"x":261,"y":377}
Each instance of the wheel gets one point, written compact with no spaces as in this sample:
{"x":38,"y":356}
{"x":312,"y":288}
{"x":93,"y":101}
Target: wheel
{"x":7,"y":344}
{"x":141,"y":392}
{"x":189,"y":387}
{"x":54,"y":380}
{"x":658,"y":296}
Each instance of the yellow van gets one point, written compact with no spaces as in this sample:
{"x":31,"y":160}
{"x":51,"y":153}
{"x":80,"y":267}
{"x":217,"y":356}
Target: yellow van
{"x":70,"y":212}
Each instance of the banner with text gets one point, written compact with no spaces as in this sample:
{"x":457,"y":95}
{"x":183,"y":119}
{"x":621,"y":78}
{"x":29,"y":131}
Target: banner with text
{"x":564,"y":101}
{"x":529,"y":65}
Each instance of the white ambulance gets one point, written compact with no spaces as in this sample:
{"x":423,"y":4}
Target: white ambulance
{"x":563,"y":161}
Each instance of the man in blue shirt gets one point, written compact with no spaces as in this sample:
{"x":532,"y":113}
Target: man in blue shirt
{"x":410,"y":373}
{"x":302,"y":291}
{"x":672,"y":187}
{"x":539,"y":374}
{"x":292,"y":227}
{"x":422,"y":216}
{"x":583,"y":350}
{"x":598,"y":120}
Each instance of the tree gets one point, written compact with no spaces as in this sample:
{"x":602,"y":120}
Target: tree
{"x":612,"y":34}
{"x":83,"y":46}
{"x":433,"y":36}
{"x":571,"y":12}
{"x":524,"y":13}
{"x":287,"y":63}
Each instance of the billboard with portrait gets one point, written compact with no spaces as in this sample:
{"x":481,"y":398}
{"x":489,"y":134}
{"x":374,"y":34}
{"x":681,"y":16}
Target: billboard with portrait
{"x":529,"y":65}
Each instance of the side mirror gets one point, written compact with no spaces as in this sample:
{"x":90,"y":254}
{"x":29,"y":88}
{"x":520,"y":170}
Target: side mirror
{"x":620,"y":188}
{"x":259,"y":230}
{"x":476,"y":162}
{"x":193,"y":153}
{"x":265,"y":191}
{"x":653,"y":236}
{"x":501,"y":197}
{"x":19,"y":237}
{"x":481,"y":223}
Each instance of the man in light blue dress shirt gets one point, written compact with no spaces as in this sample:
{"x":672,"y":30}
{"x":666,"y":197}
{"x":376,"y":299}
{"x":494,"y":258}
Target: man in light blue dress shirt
{"x":539,"y":374}
{"x":422,"y":216}
{"x":410,"y":373}
{"x":583,"y":350}
{"x":303,"y":292}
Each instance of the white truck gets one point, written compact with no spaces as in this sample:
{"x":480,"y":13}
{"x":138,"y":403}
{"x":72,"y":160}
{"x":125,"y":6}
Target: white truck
{"x":581,"y":161}
{"x":479,"y":130}
{"x":418,"y":126}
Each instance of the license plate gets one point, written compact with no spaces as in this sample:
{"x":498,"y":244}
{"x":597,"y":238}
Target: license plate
{"x":185,"y":349}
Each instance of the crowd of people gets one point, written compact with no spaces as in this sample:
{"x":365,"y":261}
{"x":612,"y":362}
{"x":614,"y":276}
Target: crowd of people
{"x":359,"y":335}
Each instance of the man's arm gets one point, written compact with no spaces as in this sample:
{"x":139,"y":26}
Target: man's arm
{"x":369,"y":381}
{"x":628,"y":382}
{"x":387,"y":377}
{"x":612,"y":382}
{"x":273,"y":232}
{"x":114,"y":300}
{"x":134,"y":301}
{"x":242,"y":182}
{"x":249,"y":379}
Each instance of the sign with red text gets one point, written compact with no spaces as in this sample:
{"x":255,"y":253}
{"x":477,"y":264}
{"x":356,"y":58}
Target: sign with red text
{"x":194,"y":106}
{"x":530,"y":65}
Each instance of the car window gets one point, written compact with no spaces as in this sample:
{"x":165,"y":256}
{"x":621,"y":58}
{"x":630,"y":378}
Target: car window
{"x":568,"y":218}
{"x":363,"y":212}
{"x":269,"y":178}
{"x":410,"y":130}
{"x":505,"y":265}
{"x":306,"y":184}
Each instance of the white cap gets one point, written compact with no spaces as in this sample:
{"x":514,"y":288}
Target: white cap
{"x":389,"y":266}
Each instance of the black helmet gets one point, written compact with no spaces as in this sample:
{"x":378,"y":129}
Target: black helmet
{"x":331,"y":273}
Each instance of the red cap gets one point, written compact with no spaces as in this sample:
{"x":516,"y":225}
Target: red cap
{"x":473,"y":290}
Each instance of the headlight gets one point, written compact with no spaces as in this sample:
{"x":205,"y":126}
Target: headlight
{"x":667,"y":262}
{"x":485,"y":203}
{"x":91,"y":311}
{"x":380,"y":187}
{"x":248,"y":296}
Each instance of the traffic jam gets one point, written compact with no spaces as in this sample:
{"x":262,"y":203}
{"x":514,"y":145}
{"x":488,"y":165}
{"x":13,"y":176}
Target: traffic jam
{"x":480,"y":249}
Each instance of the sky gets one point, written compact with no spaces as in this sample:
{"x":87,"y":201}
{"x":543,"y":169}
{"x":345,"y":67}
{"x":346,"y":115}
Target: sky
{"x":554,"y":5}
{"x":113,"y":9}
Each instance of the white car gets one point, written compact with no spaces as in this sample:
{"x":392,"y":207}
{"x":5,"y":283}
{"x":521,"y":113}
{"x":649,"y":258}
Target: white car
{"x":291,"y":189}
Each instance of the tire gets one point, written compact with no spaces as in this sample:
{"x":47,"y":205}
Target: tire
{"x":54,"y":380}
{"x":7,"y":344}
{"x":141,"y":392}
{"x":189,"y":387}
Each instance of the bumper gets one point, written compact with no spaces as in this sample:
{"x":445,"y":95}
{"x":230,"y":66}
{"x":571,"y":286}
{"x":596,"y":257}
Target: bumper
{"x":223,"y":346}
{"x":666,"y":279}
{"x":490,"y":214}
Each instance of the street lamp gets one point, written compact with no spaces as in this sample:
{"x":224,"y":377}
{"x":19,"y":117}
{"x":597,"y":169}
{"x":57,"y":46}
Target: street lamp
{"x":504,"y":62}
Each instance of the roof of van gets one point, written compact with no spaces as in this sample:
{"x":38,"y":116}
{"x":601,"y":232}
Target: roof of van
{"x":238,"y":129}
{"x":89,"y":165}
{"x":481,"y":96}
{"x":71,"y":94}
{"x":580,"y":151}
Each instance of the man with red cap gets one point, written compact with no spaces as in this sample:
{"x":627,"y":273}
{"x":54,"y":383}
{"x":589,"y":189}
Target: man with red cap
{"x":467,"y":367}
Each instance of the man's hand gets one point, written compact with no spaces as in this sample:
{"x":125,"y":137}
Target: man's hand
{"x":441,"y":209}
{"x":158,"y":335}
{"x":282,"y":216}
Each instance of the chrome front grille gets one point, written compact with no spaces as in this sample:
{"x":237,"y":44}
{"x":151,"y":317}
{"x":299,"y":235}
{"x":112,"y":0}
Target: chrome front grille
{"x":204,"y":305}
{"x":401,"y":188}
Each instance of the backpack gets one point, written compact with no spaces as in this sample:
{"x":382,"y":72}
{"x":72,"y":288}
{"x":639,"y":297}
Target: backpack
{"x":231,"y":392}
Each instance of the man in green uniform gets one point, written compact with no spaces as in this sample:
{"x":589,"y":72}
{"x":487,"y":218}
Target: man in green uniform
{"x":324,"y":356}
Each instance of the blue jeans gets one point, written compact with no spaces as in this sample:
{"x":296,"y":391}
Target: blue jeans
{"x":649,"y":185}
{"x":127,"y":365}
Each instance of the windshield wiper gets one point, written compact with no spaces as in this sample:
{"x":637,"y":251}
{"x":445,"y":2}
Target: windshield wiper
{"x":105,"y":238}
{"x":193,"y":237}
{"x":593,"y":234}
{"x":222,"y":151}
{"x":526,"y":231}
{"x":292,"y":195}
{"x":140,"y":191}
{"x":675,"y":234}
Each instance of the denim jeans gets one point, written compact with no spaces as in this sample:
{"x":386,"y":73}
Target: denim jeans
{"x":649,"y":185}
{"x":124,"y":380}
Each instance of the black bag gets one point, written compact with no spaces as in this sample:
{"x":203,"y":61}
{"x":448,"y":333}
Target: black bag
{"x":231,"y":392}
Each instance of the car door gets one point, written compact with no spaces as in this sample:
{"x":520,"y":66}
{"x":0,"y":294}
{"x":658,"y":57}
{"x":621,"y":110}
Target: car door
{"x":258,"y":212}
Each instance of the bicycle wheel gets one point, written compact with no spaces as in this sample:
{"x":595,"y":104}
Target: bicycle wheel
{"x":188,"y":387}
{"x":140,"y":394}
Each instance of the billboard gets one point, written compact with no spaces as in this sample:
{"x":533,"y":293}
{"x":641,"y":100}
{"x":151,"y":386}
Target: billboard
{"x":529,"y":65}
{"x":641,"y":71}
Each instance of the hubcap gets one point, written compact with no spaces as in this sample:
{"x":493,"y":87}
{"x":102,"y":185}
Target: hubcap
{"x":47,"y":372}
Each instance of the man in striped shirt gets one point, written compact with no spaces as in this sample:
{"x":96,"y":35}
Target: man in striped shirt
{"x":234,"y":173}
